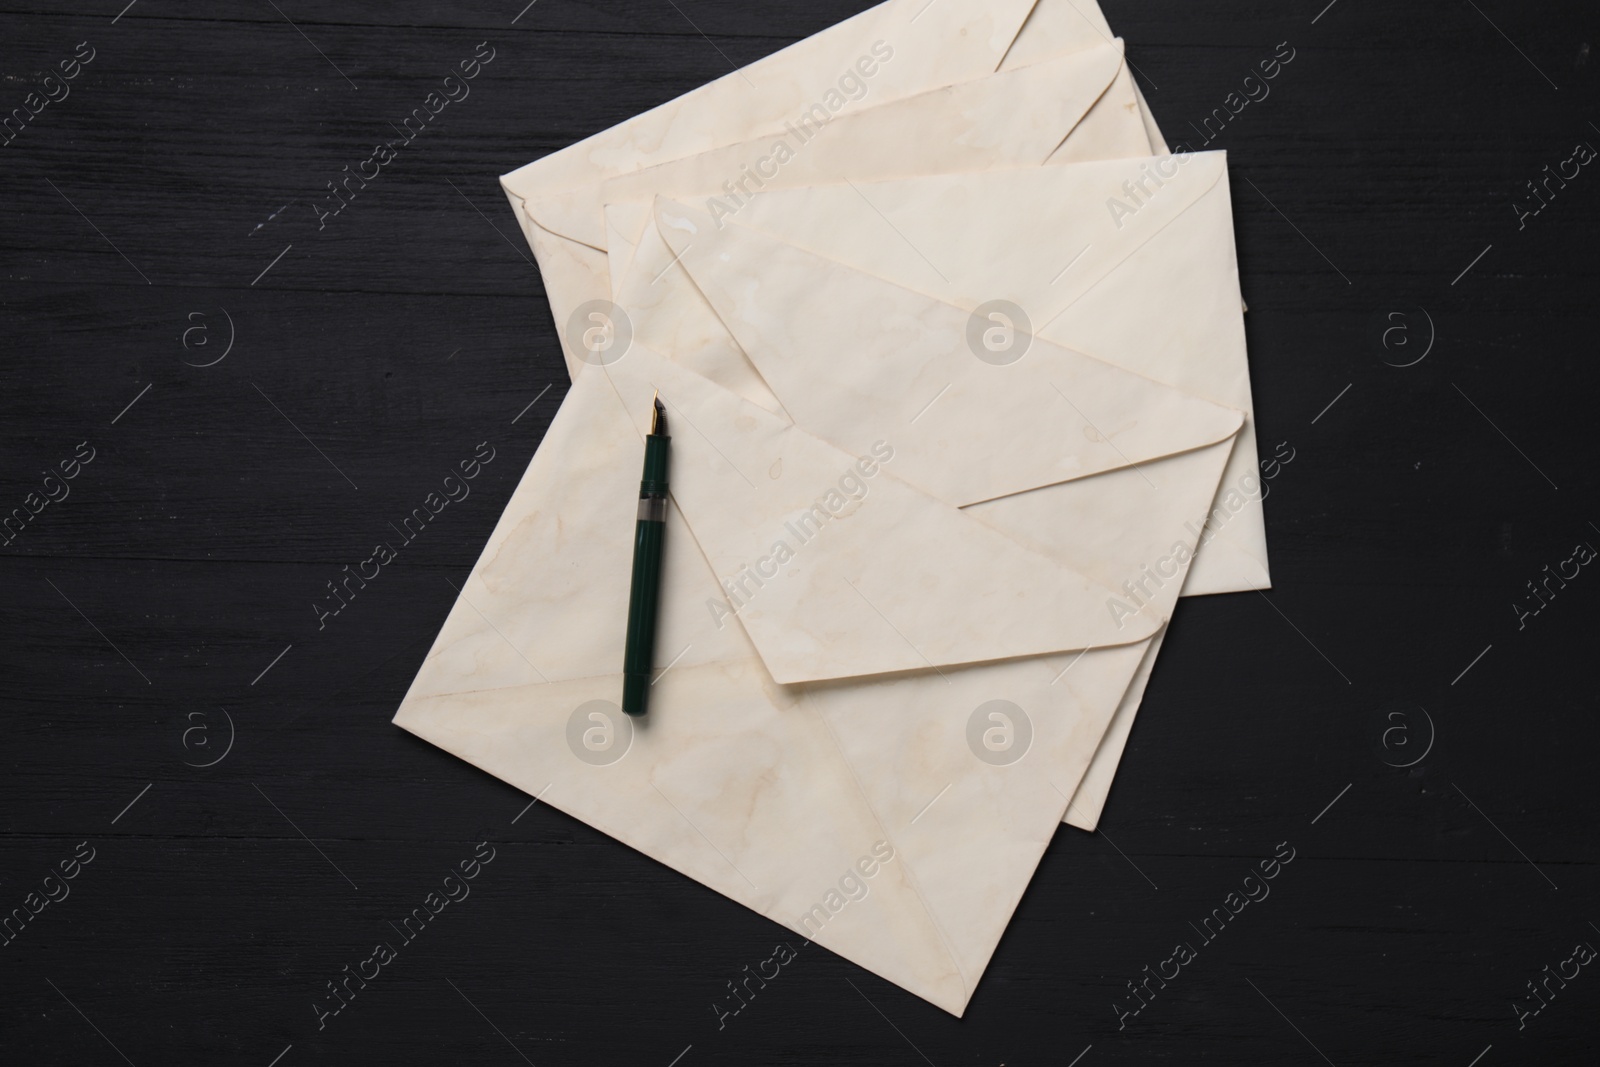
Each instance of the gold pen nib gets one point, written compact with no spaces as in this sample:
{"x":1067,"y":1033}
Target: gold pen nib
{"x":658,"y":415}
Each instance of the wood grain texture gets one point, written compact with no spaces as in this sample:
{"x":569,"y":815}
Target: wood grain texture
{"x":172,"y":590}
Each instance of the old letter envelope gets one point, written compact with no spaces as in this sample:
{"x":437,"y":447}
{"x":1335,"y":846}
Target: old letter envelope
{"x":796,"y":557}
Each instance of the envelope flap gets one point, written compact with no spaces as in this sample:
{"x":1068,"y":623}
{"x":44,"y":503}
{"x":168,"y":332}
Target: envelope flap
{"x":835,"y":567}
{"x":982,"y":409}
{"x":910,"y":45}
{"x":669,"y":316}
{"x":1018,"y":117}
{"x":1056,"y":26}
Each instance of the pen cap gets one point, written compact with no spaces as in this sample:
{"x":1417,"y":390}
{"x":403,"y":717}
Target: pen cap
{"x":655,"y":464}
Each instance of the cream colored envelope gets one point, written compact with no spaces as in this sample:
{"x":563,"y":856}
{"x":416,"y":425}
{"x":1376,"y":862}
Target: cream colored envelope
{"x":1151,"y":284}
{"x":779,"y":796}
{"x":799,"y":307}
{"x":1130,"y":261}
{"x":841,"y":71}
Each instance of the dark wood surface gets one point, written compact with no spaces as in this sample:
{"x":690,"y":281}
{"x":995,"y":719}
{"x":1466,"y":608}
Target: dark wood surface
{"x":142,"y":612}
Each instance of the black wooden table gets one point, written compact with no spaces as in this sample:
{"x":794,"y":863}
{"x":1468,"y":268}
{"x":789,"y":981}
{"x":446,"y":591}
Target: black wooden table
{"x":246,"y":392}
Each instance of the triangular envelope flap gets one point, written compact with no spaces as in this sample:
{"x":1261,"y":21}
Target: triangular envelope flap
{"x":1055,"y":26}
{"x":910,"y":46}
{"x":854,"y":358}
{"x":1015,"y":118}
{"x":1110,"y":130}
{"x":901,"y":229}
{"x":669,"y":316}
{"x":837,"y":568}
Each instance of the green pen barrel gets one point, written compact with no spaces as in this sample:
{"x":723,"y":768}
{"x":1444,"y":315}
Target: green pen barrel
{"x":638,"y":659}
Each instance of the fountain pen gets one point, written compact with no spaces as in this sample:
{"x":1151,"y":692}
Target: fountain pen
{"x":644,"y":596}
